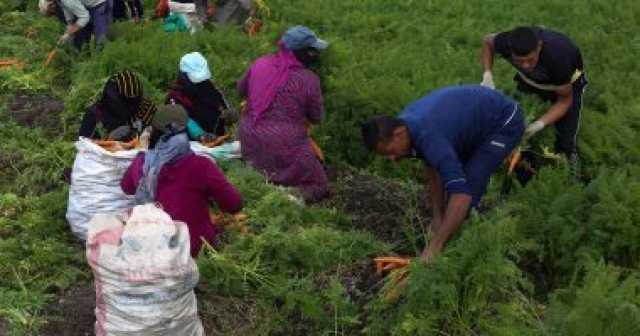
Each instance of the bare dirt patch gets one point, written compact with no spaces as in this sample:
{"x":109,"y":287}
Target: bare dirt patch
{"x":40,"y":110}
{"x":72,"y":313}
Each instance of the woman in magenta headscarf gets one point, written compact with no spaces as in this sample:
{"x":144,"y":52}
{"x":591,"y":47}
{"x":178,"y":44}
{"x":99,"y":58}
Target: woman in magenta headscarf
{"x":283,"y":97}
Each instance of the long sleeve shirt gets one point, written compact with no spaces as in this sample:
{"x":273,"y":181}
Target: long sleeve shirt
{"x":185,"y":189}
{"x":77,"y":10}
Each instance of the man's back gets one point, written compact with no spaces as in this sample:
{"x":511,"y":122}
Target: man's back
{"x":461,"y":115}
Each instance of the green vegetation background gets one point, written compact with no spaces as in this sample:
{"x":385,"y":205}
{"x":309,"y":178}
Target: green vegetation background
{"x":554,"y":258}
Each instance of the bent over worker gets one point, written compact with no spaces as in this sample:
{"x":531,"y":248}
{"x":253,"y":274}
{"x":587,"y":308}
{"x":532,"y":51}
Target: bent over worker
{"x":85,"y":18}
{"x":549,"y":65}
{"x":122,"y":109}
{"x":463,"y":134}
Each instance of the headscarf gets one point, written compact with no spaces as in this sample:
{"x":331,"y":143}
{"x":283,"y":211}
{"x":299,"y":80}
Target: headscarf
{"x":196,"y":67}
{"x":170,"y":148}
{"x":122,"y":102}
{"x":267,"y":75}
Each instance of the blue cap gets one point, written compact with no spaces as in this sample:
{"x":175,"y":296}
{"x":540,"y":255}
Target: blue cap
{"x":300,"y":37}
{"x":195,"y":66}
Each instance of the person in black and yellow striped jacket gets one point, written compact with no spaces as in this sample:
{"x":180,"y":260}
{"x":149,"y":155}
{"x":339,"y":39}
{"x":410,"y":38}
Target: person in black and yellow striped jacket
{"x":122,"y":110}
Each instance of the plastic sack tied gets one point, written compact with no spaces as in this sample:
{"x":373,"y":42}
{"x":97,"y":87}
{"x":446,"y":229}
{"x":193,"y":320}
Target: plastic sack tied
{"x":144,"y":275}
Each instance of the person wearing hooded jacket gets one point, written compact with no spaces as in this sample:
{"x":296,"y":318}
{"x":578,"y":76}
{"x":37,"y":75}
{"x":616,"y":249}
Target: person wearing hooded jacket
{"x":182,"y":182}
{"x":196,"y":92}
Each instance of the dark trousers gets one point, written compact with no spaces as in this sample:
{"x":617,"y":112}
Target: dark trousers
{"x":568,"y":126}
{"x":120,"y":9}
{"x":98,"y":25}
{"x":490,"y":154}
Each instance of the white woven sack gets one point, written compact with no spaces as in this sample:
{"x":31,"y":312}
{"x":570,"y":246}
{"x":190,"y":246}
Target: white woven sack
{"x":95,"y":184}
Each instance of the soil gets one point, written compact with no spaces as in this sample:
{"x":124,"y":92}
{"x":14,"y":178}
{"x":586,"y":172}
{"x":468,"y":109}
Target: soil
{"x":361,"y":282}
{"x":41,"y":110}
{"x":383,"y":207}
{"x":4,"y":330}
{"x":72,"y":314}
{"x":226,"y":315}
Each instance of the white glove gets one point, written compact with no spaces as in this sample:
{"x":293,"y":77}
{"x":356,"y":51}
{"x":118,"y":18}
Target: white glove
{"x":487,"y":80}
{"x":534,"y":128}
{"x":66,"y":37}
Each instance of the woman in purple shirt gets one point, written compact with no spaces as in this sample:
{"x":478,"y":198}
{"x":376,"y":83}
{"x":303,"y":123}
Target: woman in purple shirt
{"x":182,"y":182}
{"x":283,"y":96}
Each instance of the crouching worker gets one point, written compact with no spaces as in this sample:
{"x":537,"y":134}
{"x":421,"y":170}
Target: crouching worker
{"x":182,"y":182}
{"x":85,"y":18}
{"x":463,"y":133}
{"x":122,"y":110}
{"x":203,"y":102}
{"x":283,"y":98}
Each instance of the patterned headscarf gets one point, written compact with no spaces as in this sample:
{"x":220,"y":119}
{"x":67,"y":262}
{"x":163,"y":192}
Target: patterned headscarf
{"x":127,"y":84}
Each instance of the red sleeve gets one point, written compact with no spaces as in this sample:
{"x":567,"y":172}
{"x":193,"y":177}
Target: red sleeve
{"x":129,"y":182}
{"x":218,"y":188}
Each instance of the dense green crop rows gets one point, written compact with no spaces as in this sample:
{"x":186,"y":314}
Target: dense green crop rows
{"x":554,"y":258}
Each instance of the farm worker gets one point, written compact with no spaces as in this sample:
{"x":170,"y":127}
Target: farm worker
{"x":283,"y":96}
{"x":463,"y":134}
{"x":234,"y":11}
{"x":549,"y":65}
{"x":122,"y":110}
{"x":84,"y":18}
{"x":136,"y":10}
{"x":182,"y":182}
{"x":203,"y":101}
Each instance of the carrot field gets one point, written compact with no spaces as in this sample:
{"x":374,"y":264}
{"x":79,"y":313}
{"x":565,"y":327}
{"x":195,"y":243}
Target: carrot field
{"x":555,"y":257}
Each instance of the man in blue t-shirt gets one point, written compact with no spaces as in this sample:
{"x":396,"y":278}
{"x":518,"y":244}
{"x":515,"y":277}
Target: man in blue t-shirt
{"x":463,"y":133}
{"x":548,"y":64}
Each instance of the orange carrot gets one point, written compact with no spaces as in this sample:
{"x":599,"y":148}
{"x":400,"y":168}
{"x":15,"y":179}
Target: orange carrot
{"x":515,"y":158}
{"x":50,"y":57}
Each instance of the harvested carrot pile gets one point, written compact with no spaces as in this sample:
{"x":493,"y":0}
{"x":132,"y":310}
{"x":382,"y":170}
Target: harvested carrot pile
{"x":115,"y":146}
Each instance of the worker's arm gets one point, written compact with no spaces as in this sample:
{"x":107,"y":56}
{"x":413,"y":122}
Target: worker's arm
{"x":560,"y":107}
{"x":217,"y":187}
{"x":457,"y":209}
{"x":194,"y":130}
{"x":89,"y":123}
{"x":74,"y":9}
{"x":314,"y":107}
{"x":555,"y":112}
{"x":451,"y":179}
{"x":131,"y":178}
{"x":437,"y":199}
{"x":488,"y":52}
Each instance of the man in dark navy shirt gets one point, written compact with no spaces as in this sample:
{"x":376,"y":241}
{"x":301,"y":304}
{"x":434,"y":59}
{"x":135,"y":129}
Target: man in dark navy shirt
{"x":463,"y":133}
{"x":550,"y":65}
